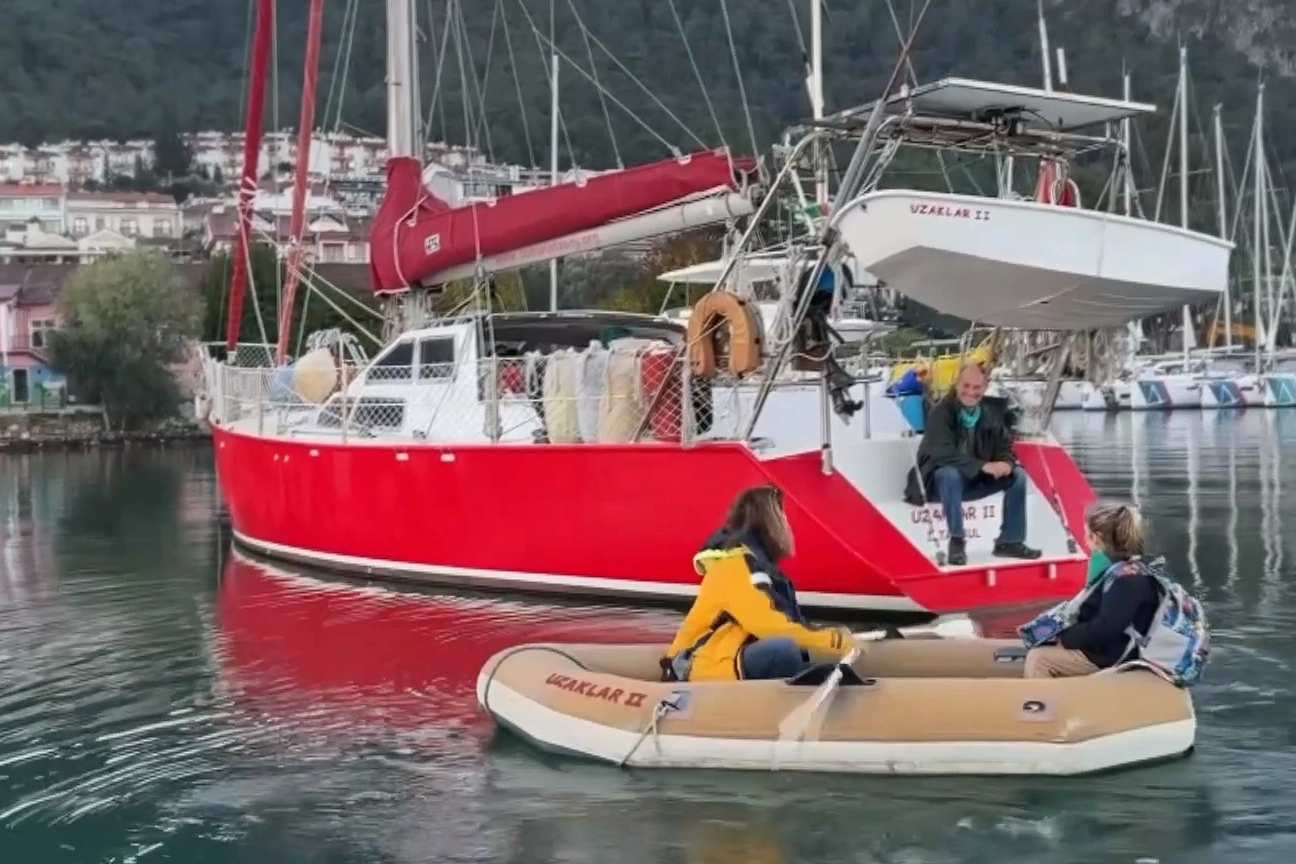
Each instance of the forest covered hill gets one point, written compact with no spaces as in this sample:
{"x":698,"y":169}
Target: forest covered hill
{"x":122,"y":68}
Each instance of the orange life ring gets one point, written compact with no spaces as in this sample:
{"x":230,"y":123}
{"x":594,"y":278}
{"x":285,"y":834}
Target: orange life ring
{"x":745,"y":331}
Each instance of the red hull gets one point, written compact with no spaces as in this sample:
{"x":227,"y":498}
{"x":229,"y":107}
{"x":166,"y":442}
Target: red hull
{"x":616,"y":520}
{"x":415,"y":235}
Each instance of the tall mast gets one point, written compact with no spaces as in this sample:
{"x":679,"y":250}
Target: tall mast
{"x":1183,"y":181}
{"x":817,"y":99}
{"x":553,"y":146}
{"x":1258,"y":215}
{"x":251,"y":153}
{"x":1044,"y":47}
{"x":402,"y":80}
{"x":1223,"y":220}
{"x":1127,"y":186}
{"x":301,"y":178}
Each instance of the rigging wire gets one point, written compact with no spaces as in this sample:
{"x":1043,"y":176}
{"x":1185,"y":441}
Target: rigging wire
{"x":435,"y":101}
{"x":589,"y":51}
{"x":913,"y":78}
{"x":348,"y":44}
{"x":629,"y":74}
{"x":742,"y":88}
{"x":697,"y":73}
{"x":517,"y":88}
{"x":540,"y":38}
{"x":480,"y":86}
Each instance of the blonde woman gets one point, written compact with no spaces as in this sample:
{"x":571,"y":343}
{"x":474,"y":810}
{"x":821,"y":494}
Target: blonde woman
{"x":745,"y":622}
{"x":1122,"y":593}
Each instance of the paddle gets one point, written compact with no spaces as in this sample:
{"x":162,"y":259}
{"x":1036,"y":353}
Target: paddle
{"x":794,"y":725}
{"x":952,"y":627}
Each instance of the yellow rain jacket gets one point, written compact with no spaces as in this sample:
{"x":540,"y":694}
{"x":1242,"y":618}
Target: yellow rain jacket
{"x":742,"y":598}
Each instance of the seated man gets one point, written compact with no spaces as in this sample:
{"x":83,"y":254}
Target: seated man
{"x":966,"y":454}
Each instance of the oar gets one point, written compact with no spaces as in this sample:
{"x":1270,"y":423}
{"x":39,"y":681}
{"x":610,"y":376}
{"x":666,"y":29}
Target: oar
{"x":954,"y":627}
{"x":794,"y":725}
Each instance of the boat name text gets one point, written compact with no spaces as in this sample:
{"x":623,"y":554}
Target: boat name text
{"x":603,"y":692}
{"x":949,"y":211}
{"x":972,"y":513}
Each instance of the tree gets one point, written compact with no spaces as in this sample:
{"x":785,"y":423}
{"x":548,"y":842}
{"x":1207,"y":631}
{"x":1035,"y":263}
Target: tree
{"x":125,"y":321}
{"x":172,"y":155}
{"x":648,"y":293}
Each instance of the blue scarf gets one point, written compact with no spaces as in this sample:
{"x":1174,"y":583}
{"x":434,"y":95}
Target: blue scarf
{"x":970,"y":416}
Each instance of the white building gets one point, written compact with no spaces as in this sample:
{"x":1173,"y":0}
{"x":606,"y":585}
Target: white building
{"x":130,"y":214}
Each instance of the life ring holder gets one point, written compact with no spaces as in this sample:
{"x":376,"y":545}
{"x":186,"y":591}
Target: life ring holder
{"x":745,"y":331}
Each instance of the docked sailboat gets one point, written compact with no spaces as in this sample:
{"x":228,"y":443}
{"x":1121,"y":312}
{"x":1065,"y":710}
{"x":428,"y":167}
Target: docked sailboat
{"x":588,"y":452}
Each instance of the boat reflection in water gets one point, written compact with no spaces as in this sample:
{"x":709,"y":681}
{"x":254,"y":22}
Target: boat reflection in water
{"x":290,"y":642}
{"x":345,"y":687}
{"x":297,"y":645}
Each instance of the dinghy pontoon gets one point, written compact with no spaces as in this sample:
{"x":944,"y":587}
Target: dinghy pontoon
{"x":908,"y":706}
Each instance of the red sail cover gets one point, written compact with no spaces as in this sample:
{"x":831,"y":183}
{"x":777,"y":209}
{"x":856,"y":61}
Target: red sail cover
{"x":416,"y":235}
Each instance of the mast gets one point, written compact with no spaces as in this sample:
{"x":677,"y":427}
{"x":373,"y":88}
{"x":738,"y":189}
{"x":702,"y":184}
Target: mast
{"x":301,"y":178}
{"x":402,"y":80}
{"x":1223,"y":220}
{"x":553,"y":162}
{"x":1127,"y":186}
{"x":1044,"y":47}
{"x":1183,"y":182}
{"x":251,"y":153}
{"x":817,"y":100}
{"x":1258,"y":215}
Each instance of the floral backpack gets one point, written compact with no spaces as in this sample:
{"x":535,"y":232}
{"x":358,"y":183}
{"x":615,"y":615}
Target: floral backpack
{"x":1177,"y":644}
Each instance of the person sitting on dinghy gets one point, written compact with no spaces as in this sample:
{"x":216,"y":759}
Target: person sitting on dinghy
{"x":966,"y":454}
{"x":745,"y":622}
{"x":1120,"y":593}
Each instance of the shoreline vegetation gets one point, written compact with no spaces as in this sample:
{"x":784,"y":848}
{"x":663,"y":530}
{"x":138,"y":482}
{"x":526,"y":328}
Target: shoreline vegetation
{"x":81,"y":429}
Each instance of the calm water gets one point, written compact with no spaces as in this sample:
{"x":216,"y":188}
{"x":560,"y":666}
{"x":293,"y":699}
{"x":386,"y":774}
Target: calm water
{"x":164,"y":700}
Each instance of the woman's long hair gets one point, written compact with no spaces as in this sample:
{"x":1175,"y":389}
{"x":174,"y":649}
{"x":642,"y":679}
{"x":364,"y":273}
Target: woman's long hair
{"x":759,"y":511}
{"x":1119,"y":530}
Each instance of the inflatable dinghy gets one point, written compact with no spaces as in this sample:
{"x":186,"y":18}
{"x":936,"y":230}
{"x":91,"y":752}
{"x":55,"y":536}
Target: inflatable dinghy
{"x":907,"y":706}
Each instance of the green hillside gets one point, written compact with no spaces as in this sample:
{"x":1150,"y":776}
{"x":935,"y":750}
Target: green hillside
{"x":120,"y":68}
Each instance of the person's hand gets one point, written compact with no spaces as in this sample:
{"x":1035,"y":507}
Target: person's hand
{"x":847,"y":637}
{"x":997,"y":469}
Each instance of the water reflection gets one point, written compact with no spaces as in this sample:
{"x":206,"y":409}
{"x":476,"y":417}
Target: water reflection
{"x":296,"y":645}
{"x":152,"y":710}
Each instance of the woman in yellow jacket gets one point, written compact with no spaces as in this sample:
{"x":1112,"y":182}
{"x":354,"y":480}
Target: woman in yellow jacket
{"x":745,"y":622}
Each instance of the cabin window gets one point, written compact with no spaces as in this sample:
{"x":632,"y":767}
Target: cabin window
{"x":396,"y":365}
{"x":436,"y":358}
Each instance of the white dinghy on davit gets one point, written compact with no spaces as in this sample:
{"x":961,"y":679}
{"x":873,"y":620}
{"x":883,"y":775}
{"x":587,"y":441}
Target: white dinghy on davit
{"x":1027,"y":264}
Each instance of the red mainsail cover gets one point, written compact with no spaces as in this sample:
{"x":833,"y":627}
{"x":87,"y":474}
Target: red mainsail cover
{"x":416,"y":235}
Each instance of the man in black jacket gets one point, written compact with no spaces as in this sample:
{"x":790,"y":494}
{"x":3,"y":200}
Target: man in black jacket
{"x":966,"y":454}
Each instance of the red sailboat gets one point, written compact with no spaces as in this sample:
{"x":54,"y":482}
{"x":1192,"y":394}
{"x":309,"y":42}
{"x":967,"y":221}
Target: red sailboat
{"x":590,"y":453}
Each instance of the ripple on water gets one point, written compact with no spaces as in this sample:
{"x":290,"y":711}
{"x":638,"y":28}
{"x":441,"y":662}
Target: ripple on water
{"x":149,"y":712}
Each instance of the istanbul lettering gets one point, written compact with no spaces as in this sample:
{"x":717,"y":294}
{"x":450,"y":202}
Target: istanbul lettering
{"x":972,"y":513}
{"x":602,"y":692}
{"x":949,"y":212}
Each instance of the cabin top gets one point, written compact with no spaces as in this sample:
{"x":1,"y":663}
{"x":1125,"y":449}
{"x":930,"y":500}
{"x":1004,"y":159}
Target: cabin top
{"x":986,"y":101}
{"x":515,"y":333}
